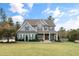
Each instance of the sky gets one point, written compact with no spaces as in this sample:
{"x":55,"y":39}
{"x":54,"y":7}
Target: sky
{"x":65,"y":14}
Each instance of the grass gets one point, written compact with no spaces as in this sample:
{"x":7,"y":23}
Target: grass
{"x":39,"y":49}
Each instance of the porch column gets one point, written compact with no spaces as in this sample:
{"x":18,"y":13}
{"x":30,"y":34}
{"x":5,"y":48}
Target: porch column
{"x":49,"y":36}
{"x":28,"y":37}
{"x":56,"y":36}
{"x":24,"y":37}
{"x":43,"y":36}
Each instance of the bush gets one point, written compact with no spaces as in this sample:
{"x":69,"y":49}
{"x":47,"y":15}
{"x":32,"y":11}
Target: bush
{"x":73,"y":37}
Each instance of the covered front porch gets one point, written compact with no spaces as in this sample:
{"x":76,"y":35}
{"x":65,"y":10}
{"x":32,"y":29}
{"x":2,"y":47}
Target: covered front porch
{"x":50,"y":37}
{"x":36,"y":36}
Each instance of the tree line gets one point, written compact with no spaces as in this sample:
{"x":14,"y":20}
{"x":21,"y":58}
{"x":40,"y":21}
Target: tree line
{"x":71,"y":35}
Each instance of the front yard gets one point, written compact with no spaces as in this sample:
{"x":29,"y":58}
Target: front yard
{"x":39,"y":49}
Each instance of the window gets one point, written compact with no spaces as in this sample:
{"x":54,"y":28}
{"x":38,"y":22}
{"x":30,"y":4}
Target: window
{"x":18,"y":36}
{"x":45,"y":27}
{"x":33,"y":36}
{"x":39,"y":27}
{"x":34,"y":26}
{"x":51,"y":28}
{"x":30,"y":36}
{"x":23,"y":36}
{"x":27,"y":28}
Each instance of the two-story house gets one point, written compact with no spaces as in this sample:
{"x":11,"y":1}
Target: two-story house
{"x":41,"y":29}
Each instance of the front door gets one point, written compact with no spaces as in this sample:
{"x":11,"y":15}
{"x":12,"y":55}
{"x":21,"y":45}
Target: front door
{"x":46,"y":36}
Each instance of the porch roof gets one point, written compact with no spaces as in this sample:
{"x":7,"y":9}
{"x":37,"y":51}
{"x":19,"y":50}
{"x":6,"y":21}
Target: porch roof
{"x":38,"y":32}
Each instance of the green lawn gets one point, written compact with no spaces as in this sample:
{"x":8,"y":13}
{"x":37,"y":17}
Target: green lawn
{"x":39,"y":49}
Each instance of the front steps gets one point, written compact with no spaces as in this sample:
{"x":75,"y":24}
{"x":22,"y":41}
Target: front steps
{"x":46,"y":41}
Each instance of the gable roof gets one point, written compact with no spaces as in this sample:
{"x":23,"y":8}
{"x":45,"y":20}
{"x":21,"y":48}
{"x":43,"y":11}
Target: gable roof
{"x":35,"y":22}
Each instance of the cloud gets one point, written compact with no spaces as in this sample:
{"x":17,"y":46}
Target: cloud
{"x":73,"y":12}
{"x":18,"y":18}
{"x":69,"y":19}
{"x":30,"y":5}
{"x":47,"y":11}
{"x":18,"y":8}
{"x":72,"y":19}
{"x":55,"y":13}
{"x":56,"y":20}
{"x":70,"y":24}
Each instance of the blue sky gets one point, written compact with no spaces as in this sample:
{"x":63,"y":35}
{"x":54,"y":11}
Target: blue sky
{"x":66,"y":14}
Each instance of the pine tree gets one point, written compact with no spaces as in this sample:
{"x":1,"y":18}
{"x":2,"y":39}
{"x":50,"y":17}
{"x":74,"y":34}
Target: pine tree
{"x":10,"y":21}
{"x":50,"y":18}
{"x":2,"y":15}
{"x":17,"y":25}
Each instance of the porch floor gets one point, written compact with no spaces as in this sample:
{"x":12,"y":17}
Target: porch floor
{"x":46,"y":41}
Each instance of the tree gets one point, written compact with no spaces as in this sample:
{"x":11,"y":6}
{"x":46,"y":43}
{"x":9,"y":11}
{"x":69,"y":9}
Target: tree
{"x":10,"y":21}
{"x":1,"y":33}
{"x":50,"y":18}
{"x":17,"y":25}
{"x":2,"y":15}
{"x":62,"y":33}
{"x":7,"y":31}
{"x":73,"y":35}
